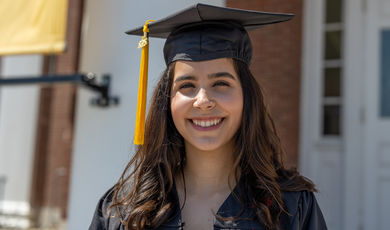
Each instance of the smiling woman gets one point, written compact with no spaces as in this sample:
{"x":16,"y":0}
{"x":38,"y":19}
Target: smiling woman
{"x":211,"y":157}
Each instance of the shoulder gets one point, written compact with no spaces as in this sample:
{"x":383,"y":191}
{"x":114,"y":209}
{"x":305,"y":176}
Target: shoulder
{"x":303,"y":211}
{"x":102,"y":220}
{"x":294,"y":200}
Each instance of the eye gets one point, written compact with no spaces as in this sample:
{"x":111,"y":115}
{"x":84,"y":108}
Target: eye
{"x":186,"y":85}
{"x":221,"y":83}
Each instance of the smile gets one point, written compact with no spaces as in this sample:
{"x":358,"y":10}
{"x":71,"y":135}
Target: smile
{"x":206,"y":123}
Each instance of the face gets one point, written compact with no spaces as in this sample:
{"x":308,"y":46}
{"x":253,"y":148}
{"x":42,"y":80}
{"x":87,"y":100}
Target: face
{"x":206,"y":103}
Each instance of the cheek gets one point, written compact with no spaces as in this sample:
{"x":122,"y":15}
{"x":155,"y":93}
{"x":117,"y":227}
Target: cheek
{"x":235,"y":105}
{"x":179,"y":104}
{"x":233,"y":102}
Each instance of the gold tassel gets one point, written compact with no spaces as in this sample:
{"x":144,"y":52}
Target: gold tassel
{"x":142,"y":87}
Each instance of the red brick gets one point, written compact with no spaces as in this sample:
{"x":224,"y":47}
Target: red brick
{"x":276,"y":65}
{"x":52,"y":163}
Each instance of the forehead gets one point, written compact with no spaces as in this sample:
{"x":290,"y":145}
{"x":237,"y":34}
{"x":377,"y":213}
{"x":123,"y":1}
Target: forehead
{"x":204,"y":67}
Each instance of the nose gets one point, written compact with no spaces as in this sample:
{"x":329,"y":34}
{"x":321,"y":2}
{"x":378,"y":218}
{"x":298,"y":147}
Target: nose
{"x":203,"y":101}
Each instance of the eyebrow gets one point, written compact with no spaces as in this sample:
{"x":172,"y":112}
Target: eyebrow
{"x":221,"y":74}
{"x":210,"y":76}
{"x":185,"y":77}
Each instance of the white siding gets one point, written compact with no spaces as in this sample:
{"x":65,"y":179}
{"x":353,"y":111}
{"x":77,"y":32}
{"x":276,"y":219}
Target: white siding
{"x":18,"y":119}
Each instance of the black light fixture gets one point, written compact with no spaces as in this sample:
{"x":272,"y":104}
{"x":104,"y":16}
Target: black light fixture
{"x":87,"y":80}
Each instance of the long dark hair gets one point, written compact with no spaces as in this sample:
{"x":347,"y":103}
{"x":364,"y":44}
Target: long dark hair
{"x":141,"y":196}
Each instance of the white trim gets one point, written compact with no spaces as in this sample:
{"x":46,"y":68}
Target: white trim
{"x":335,"y":63}
{"x":371,"y":58}
{"x":311,"y":70}
{"x":332,"y":100}
{"x":330,"y":142}
{"x":352,"y":126}
{"x":14,"y":214}
{"x":14,"y":208}
{"x":14,"y":222}
{"x":334,"y":26}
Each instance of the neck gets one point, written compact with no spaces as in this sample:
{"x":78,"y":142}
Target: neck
{"x":208,"y":171}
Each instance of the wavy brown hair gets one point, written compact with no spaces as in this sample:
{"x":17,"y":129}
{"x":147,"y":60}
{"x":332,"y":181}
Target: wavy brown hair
{"x":142,"y":196}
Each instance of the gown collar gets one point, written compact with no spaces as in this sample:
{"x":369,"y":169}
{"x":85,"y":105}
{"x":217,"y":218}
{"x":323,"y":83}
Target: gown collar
{"x":231,"y":207}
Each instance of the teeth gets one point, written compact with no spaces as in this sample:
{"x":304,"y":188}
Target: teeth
{"x":208,"y":123}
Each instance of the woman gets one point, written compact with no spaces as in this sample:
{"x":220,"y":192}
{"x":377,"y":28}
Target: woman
{"x":211,"y":158}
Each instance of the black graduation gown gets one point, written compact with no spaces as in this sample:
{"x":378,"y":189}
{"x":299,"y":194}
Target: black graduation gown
{"x":305,"y":214}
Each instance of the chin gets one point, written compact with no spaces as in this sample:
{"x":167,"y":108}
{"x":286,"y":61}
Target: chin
{"x":206,"y":148}
{"x":207,"y":145}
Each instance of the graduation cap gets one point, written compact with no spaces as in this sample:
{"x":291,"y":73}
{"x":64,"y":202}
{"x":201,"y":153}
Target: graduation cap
{"x":198,"y":33}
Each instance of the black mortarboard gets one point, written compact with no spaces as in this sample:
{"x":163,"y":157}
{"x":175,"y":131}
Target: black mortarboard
{"x":204,"y":32}
{"x":198,"y":33}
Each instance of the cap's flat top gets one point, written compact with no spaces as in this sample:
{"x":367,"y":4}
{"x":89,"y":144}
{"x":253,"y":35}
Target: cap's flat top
{"x":202,"y":12}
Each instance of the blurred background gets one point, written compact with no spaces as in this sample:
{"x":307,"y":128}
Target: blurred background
{"x":326,"y":77}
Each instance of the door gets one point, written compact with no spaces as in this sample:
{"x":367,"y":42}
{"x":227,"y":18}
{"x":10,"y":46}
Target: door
{"x":376,"y":157}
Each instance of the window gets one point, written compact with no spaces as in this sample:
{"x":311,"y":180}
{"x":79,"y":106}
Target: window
{"x":332,"y":69}
{"x":385,"y":74}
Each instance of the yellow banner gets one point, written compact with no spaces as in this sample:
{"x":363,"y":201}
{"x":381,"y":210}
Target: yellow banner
{"x":32,"y":26}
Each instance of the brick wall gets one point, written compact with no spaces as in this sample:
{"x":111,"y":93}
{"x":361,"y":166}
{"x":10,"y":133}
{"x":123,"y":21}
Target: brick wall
{"x":277,"y":66}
